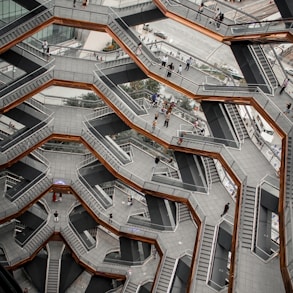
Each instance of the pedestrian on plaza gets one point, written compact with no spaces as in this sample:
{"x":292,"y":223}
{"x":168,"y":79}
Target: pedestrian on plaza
{"x":157,"y":161}
{"x":138,"y":49}
{"x":179,"y":71}
{"x":284,"y":84}
{"x":45,"y":46}
{"x":219,"y":20}
{"x":74,"y":2}
{"x":155,"y":99}
{"x":180,"y":139}
{"x":163,"y":109}
{"x":170,"y":69}
{"x":154,"y":124}
{"x":188,"y":63}
{"x":288,"y":108}
{"x":48,"y":53}
{"x":129,"y":200}
{"x":216,"y":16}
{"x":157,"y":115}
{"x":56,"y":216}
{"x":84,"y":3}
{"x":60,"y":196}
{"x":164,"y":61}
{"x":199,"y":11}
{"x":110,"y":217}
{"x":167,"y":119}
{"x":54,"y":197}
{"x":226,"y":209}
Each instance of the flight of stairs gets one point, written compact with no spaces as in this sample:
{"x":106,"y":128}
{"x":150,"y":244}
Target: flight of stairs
{"x":237,"y":121}
{"x":166,"y":275}
{"x":205,"y":252}
{"x":53,"y":276}
{"x":247,"y":216}
{"x":73,"y":240}
{"x":130,"y":288}
{"x":184,"y":214}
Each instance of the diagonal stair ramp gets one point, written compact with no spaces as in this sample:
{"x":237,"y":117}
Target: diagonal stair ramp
{"x":247,"y":217}
{"x":27,"y":85}
{"x":74,"y":242}
{"x":265,"y":67}
{"x":237,"y":121}
{"x":166,"y":275}
{"x":205,"y":252}
{"x":130,"y":288}
{"x":38,"y":239}
{"x":24,"y":25}
{"x":55,"y":249}
{"x":184,"y":213}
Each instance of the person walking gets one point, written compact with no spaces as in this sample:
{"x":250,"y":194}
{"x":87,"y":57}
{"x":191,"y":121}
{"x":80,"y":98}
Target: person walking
{"x":188,"y":63}
{"x":138,"y":49}
{"x":219,"y":20}
{"x":216,"y":16}
{"x":74,"y":2}
{"x":157,"y":161}
{"x":226,"y":209}
{"x":45,"y":46}
{"x":155,"y":97}
{"x":84,"y":3}
{"x":56,"y":216}
{"x":199,"y":11}
{"x":164,"y":61}
{"x":284,"y":85}
{"x":167,"y":119}
{"x":48,"y":52}
{"x":179,"y":71}
{"x":154,"y":124}
{"x":288,"y":109}
{"x":180,"y":139}
{"x":129,"y":200}
{"x":170,"y":69}
{"x":157,"y":115}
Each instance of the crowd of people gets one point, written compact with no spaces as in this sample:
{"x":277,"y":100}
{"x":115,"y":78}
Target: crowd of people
{"x":171,"y":67}
{"x":164,"y":107}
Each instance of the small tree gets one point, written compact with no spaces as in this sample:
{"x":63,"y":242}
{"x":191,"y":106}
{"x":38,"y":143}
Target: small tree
{"x":111,"y":46}
{"x":185,"y":103}
{"x":87,"y":98}
{"x":152,"y":85}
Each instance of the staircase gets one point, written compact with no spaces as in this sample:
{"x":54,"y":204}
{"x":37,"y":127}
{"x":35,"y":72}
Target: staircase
{"x":166,"y":275}
{"x":33,"y":192}
{"x":205,"y":252}
{"x":247,"y":216}
{"x":73,"y":240}
{"x":184,"y":214}
{"x":289,"y":179}
{"x":55,"y":249}
{"x":130,"y":288}
{"x":121,"y":32}
{"x":19,"y":27}
{"x":94,"y":203}
{"x":20,"y":88}
{"x":237,"y":121}
{"x":38,"y":239}
{"x":266,"y":68}
{"x":211,"y":169}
